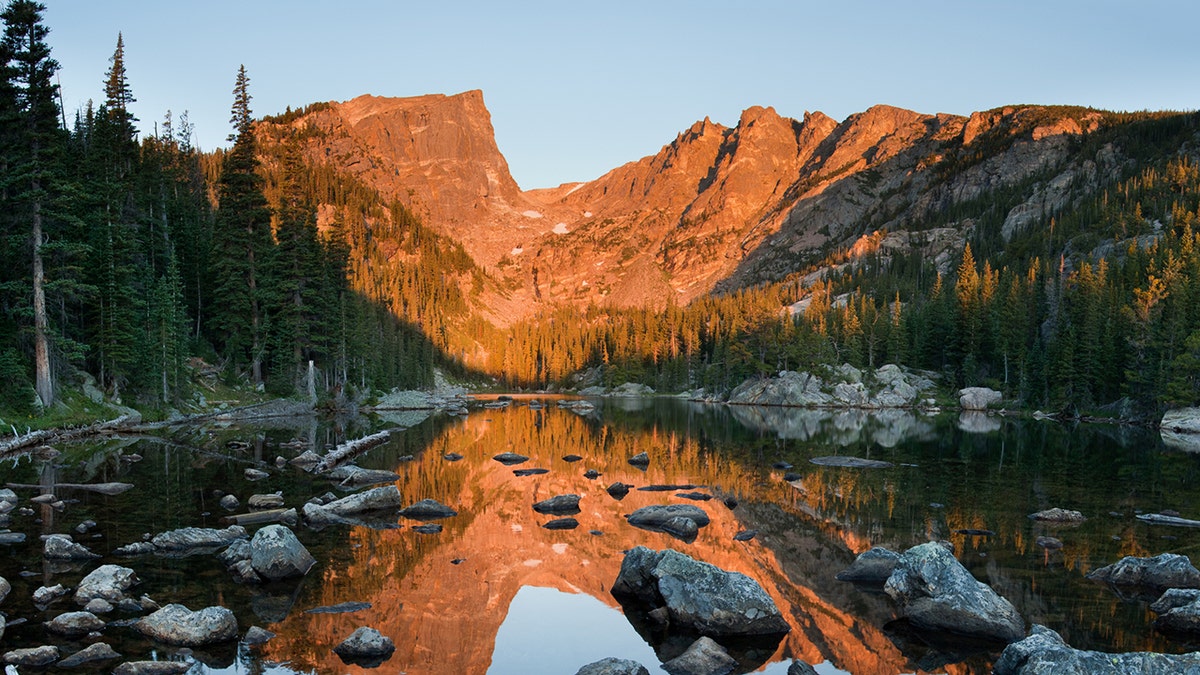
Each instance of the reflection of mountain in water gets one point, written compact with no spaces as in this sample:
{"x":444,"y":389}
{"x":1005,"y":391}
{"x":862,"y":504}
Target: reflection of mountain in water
{"x":445,"y":617}
{"x":886,"y":428}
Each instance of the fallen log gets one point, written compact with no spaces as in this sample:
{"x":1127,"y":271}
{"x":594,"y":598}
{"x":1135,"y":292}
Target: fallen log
{"x":349,"y":449}
{"x":45,"y":436}
{"x":103,"y":488}
{"x":1159,"y":519}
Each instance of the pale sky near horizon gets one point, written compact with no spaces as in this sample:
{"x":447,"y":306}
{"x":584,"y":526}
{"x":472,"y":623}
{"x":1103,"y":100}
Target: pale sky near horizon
{"x":576,"y":89}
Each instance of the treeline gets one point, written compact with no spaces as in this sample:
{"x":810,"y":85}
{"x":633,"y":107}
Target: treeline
{"x":136,"y":260}
{"x":1096,"y":306}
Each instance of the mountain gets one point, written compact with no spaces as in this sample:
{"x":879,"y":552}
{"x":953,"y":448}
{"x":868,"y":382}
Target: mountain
{"x":718,"y":208}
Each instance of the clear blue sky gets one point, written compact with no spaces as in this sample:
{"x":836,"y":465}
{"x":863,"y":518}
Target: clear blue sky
{"x":578,"y":88}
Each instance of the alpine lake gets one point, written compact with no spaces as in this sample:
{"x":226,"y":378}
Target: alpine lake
{"x":496,"y":592}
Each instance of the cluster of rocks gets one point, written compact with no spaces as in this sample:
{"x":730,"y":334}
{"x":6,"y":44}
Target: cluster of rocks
{"x":888,"y":386}
{"x":625,"y":390}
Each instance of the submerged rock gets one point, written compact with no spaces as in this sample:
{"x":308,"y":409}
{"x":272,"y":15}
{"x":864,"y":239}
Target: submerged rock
{"x":871,"y":567}
{"x":257,"y":636}
{"x":697,"y":596}
{"x":152,"y":668}
{"x":1045,"y":653}
{"x":510,"y":458}
{"x":850,"y":462}
{"x":99,"y":651}
{"x":35,"y":657}
{"x":680,"y":520}
{"x":428,"y":528}
{"x":177,"y":625}
{"x":1169,"y":570}
{"x":613,"y":666}
{"x":703,"y":657}
{"x":1057,"y":515}
{"x":938,"y":594}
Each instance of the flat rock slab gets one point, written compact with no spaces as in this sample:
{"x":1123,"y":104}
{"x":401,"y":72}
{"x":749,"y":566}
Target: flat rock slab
{"x":1057,"y":515}
{"x":32,"y":656}
{"x":562,"y":524}
{"x":559,"y":504}
{"x":428,"y":509}
{"x":152,"y":668}
{"x":1045,"y":653}
{"x":510,"y":458}
{"x":850,"y":462}
{"x":340,"y":608}
{"x":1160,"y":519}
{"x":188,"y":538}
{"x":1169,"y":570}
{"x":530,"y":472}
{"x":99,"y":651}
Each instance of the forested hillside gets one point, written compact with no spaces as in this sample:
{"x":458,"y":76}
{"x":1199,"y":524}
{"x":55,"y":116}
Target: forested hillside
{"x":1048,"y":252}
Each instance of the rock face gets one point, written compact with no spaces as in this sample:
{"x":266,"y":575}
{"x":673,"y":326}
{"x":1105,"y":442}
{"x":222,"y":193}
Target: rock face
{"x":697,"y":596}
{"x":1169,"y":570}
{"x":177,"y":625}
{"x":1045,"y":653}
{"x":871,"y":567}
{"x":938,"y":594}
{"x":276,"y":553}
{"x":978,"y":398}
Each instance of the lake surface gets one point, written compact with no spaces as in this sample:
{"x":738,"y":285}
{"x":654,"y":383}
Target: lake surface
{"x":496,"y":592}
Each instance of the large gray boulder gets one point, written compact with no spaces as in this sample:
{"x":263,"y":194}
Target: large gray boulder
{"x":175,"y":624}
{"x":938,"y":594}
{"x":365,"y":647}
{"x":789,"y":389}
{"x":106,"y":582}
{"x":978,"y":398}
{"x":196,"y":539}
{"x":1180,"y":428}
{"x":276,"y":553}
{"x":1169,"y":570}
{"x":1045,"y":653}
{"x":871,"y":567}
{"x":613,"y":666}
{"x":697,"y":596}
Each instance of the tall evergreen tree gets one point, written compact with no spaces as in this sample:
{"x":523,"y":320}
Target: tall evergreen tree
{"x":241,"y":246}
{"x":33,"y":178}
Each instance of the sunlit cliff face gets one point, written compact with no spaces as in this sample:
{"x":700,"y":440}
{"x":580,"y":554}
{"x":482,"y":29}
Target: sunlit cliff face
{"x":442,"y":598}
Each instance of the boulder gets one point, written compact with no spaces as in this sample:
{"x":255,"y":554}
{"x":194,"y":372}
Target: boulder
{"x":175,"y":624}
{"x":850,"y":395}
{"x":264,"y":501}
{"x":1178,"y":611}
{"x":45,"y":595}
{"x":75,"y":624}
{"x":1057,"y":515}
{"x":697,"y":596}
{"x":35,"y":657}
{"x":938,"y":594}
{"x":366,"y":647}
{"x":1180,"y":429}
{"x":613,"y":666}
{"x":978,"y":398}
{"x":703,"y":657}
{"x":510,"y":458}
{"x":789,"y":389}
{"x":428,"y":509}
{"x":5,"y":588}
{"x":871,"y":567}
{"x":60,"y":547}
{"x":618,"y":490}
{"x":559,"y":504}
{"x":106,"y":582}
{"x":99,"y":651}
{"x":276,"y":553}
{"x":229,"y":503}
{"x":189,"y":539}
{"x":799,"y":667}
{"x":1169,"y":570}
{"x":257,"y":636}
{"x":641,"y":460}
{"x":1045,"y":653}
{"x":631,"y":390}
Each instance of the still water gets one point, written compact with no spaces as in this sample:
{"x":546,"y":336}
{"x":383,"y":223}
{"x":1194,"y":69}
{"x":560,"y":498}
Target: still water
{"x":495,"y":592}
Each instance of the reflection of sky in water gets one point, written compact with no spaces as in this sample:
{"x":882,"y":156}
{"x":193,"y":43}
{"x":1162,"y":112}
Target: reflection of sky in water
{"x":548,"y":631}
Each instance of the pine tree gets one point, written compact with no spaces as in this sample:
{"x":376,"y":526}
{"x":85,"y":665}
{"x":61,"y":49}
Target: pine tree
{"x":241,"y":246}
{"x":33,"y":178}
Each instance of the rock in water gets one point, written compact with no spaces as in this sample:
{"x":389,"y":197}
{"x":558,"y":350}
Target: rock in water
{"x":672,"y":519}
{"x":978,"y":398}
{"x":365,"y":647}
{"x":1178,"y":611}
{"x":1169,"y":570}
{"x":428,"y":509}
{"x":33,"y":656}
{"x":378,"y":499}
{"x":613,"y":666}
{"x":1045,"y":653}
{"x":75,"y":624}
{"x":510,"y":458}
{"x":560,"y":504}
{"x":938,"y":594}
{"x":640,"y":460}
{"x":1057,"y":515}
{"x":567,"y":523}
{"x":177,"y":625}
{"x":871,"y":567}
{"x":697,"y":596}
{"x":152,"y":668}
{"x":276,"y":553}
{"x":106,"y":582}
{"x":704,"y":657}
{"x":257,"y":636}
{"x":60,"y":547}
{"x":95,"y":652}
{"x":188,"y":538}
